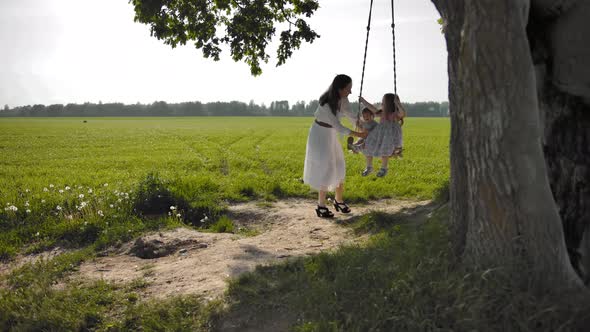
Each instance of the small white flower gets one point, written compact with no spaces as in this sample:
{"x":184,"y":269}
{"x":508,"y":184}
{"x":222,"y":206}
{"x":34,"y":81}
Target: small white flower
{"x":27,"y":203}
{"x":112,"y":206}
{"x":90,"y":191}
{"x":173,"y":208}
{"x":42,"y":201}
{"x":37,"y":234}
{"x":51,"y":186}
{"x":116,"y":192}
{"x":178,"y":215}
{"x":45,"y":189}
{"x":80,"y":187}
{"x":85,"y":223}
{"x":67,"y":188}
{"x":106,"y":185}
{"x":58,"y":208}
{"x":27,"y":190}
{"x":28,"y":211}
{"x":83,"y":205}
{"x":13,"y":208}
{"x":169,"y":213}
{"x":61,"y":191}
{"x":100,"y":213}
{"x":119,"y":200}
{"x":81,"y":196}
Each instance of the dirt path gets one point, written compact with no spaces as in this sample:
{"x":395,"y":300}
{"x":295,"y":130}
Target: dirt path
{"x":204,"y":261}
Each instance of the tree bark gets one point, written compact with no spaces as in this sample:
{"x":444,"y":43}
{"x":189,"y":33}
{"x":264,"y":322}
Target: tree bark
{"x":452,"y":12}
{"x":502,"y":209}
{"x":558,"y":38}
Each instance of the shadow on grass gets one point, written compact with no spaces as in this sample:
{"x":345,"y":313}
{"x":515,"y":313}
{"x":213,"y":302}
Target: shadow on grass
{"x":379,"y":221}
{"x":402,"y":280}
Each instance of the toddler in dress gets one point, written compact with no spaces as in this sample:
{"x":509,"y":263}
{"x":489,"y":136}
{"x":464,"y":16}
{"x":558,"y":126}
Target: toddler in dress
{"x":365,"y":126}
{"x":385,"y":140}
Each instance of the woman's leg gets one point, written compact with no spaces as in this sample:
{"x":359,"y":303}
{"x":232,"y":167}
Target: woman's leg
{"x":339,"y":192}
{"x":340,"y":205}
{"x":321,"y":198}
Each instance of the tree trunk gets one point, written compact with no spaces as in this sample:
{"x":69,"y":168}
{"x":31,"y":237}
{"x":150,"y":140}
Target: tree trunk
{"x":502,"y":210}
{"x":453,"y":14}
{"x":558,"y":37}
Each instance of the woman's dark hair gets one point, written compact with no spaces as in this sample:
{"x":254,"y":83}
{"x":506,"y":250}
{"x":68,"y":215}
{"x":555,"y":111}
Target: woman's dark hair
{"x":332,"y":96}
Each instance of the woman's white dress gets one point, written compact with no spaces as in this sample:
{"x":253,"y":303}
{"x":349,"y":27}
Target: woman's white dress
{"x":324,"y":159}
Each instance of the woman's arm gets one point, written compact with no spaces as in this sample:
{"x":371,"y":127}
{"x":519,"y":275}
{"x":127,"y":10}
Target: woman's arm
{"x":347,"y":111}
{"x":324,"y":114}
{"x":368,"y":105}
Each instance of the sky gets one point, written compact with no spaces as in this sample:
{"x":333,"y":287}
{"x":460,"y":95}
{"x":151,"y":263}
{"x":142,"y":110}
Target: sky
{"x":76,"y":51}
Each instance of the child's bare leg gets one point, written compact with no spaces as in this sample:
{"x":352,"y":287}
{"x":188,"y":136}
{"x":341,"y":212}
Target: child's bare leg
{"x":369,"y":161}
{"x":369,"y":167}
{"x":383,"y":170}
{"x":384,"y":162}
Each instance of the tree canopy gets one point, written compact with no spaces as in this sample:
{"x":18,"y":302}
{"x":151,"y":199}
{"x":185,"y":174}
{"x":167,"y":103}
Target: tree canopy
{"x":247,"y":27}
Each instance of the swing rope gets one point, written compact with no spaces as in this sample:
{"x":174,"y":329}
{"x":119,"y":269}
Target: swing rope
{"x":393,"y":35}
{"x":365,"y":56}
{"x":366,"y":47}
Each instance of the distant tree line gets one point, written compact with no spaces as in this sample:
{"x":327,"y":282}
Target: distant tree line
{"x":234,"y":108}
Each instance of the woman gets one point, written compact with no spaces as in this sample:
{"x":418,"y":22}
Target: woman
{"x":324,"y":168}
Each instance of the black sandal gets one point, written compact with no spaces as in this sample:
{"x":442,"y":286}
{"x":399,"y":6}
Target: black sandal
{"x":324,"y":212}
{"x":342,"y":207}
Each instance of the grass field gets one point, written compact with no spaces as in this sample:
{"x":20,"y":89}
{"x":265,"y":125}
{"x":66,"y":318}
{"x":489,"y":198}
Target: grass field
{"x":227,"y":158}
{"x":75,"y":181}
{"x":88,"y":185}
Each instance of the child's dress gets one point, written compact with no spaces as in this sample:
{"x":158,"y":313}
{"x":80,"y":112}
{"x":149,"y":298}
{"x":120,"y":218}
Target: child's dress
{"x":324,"y":167}
{"x":384,"y":138}
{"x":366,"y":126}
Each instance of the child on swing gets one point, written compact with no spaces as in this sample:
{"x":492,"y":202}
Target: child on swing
{"x":366,"y":125}
{"x":385,"y":140}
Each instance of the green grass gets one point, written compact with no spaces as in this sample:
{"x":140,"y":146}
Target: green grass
{"x":221,"y":158}
{"x":403,"y":280}
{"x":87,"y":186}
{"x":67,"y":183}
